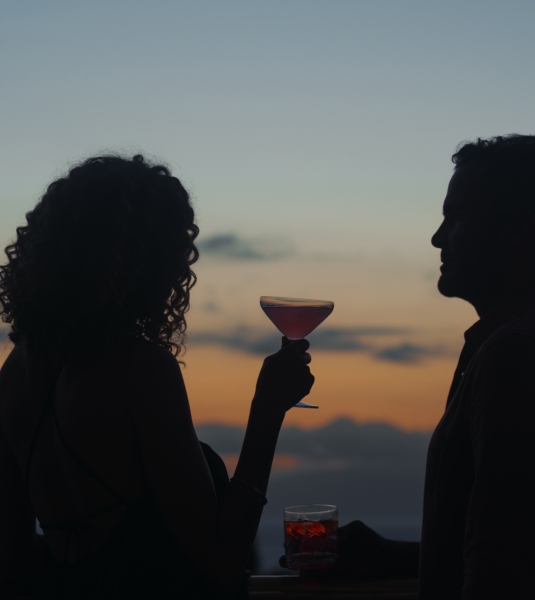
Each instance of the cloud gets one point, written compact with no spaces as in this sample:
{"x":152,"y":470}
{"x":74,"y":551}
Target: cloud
{"x":371,"y":469}
{"x":409,"y":353}
{"x":350,"y":338}
{"x":242,"y":338}
{"x":230,"y":246}
{"x":340,"y":339}
{"x":249,"y":340}
{"x":211,"y":307}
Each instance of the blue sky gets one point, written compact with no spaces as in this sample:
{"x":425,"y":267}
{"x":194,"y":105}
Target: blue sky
{"x":318,"y":131}
{"x":344,"y":110}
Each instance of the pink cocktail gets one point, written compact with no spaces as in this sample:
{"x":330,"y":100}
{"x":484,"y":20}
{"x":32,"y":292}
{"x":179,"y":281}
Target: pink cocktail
{"x":296,"y":322}
{"x":296,"y":318}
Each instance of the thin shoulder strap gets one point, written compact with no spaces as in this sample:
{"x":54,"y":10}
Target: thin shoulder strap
{"x":73,"y":456}
{"x":32,"y":445}
{"x":41,"y":419}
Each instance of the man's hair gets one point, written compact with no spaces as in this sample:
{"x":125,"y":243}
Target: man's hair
{"x":106,"y":253}
{"x":508,"y":165}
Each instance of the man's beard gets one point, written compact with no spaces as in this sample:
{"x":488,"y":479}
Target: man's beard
{"x":475,"y":286}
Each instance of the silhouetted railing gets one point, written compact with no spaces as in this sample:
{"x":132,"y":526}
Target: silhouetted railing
{"x":290,"y":587}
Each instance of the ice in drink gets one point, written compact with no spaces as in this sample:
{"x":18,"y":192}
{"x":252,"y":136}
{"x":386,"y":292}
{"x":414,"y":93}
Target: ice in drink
{"x":310,"y":544}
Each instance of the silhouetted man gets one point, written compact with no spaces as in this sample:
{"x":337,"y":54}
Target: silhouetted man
{"x":478,"y":533}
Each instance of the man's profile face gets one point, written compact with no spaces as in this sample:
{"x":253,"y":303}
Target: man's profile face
{"x":468,"y":240}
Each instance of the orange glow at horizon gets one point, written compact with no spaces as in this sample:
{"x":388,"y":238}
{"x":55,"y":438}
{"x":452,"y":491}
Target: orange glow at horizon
{"x":221,"y":384}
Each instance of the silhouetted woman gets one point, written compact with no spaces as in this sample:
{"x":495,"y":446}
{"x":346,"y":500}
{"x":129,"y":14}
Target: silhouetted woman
{"x":96,"y":435}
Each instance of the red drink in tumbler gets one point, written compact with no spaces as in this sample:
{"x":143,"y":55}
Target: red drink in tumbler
{"x":310,"y":543}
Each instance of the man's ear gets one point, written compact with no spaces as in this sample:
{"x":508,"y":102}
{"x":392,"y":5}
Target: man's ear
{"x":518,"y":231}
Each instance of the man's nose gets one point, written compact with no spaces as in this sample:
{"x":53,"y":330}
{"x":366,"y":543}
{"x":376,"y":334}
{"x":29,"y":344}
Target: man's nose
{"x":438,"y":237}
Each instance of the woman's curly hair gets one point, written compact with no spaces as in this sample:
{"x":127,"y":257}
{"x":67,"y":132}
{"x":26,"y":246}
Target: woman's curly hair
{"x":106,"y":253}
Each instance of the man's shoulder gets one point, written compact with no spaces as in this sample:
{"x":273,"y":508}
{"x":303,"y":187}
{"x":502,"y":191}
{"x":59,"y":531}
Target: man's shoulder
{"x":515,"y":336}
{"x":501,"y":385}
{"x":512,"y":351}
{"x":523,"y":324}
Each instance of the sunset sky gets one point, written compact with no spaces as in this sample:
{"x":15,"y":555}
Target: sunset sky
{"x":315,"y":139}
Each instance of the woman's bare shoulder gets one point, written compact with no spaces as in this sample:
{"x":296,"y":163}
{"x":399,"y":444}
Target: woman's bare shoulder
{"x":121,"y":375}
{"x":157,"y":399}
{"x":135,"y":359}
{"x":149,"y":351}
{"x":146,"y":360}
{"x":147,"y":370}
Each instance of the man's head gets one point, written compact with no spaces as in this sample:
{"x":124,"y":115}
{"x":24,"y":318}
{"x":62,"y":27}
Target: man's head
{"x":487,"y":238}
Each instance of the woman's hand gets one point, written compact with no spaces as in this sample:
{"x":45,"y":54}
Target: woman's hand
{"x":285,"y":377}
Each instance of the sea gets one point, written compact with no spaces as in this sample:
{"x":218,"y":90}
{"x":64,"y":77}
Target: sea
{"x":270,"y":536}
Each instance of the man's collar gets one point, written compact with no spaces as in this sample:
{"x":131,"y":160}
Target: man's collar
{"x":487,"y":325}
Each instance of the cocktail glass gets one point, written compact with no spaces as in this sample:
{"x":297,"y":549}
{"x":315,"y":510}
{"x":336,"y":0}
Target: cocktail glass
{"x":310,"y":536}
{"x":296,"y":318}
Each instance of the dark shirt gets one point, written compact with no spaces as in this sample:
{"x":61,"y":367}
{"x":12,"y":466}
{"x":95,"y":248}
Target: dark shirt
{"x":478,"y":533}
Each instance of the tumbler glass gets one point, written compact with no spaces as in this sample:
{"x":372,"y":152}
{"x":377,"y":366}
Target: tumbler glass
{"x":310,"y":536}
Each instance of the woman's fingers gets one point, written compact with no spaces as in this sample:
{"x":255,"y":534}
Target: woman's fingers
{"x":298,"y":348}
{"x":286,"y":375}
{"x":301,"y":346}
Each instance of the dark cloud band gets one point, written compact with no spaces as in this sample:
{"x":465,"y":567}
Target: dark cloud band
{"x":365,"y":469}
{"x":351,"y":339}
{"x":230,"y":246}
